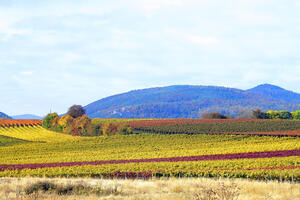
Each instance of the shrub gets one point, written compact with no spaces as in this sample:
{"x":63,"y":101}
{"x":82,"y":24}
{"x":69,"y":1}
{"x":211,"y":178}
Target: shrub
{"x":70,"y":189}
{"x":47,"y":122}
{"x":76,"y":111}
{"x":273,"y":114}
{"x":98,"y":130}
{"x":214,"y":115}
{"x":258,"y":114}
{"x":109,"y":128}
{"x":82,"y":126}
{"x":125,"y":130}
{"x":285,"y":115}
{"x":219,"y":192}
{"x":64,"y":122}
{"x":296,"y":114}
{"x":40,"y":186}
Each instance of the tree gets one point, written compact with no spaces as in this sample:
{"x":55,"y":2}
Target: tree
{"x":76,"y":111}
{"x":258,"y":114}
{"x":273,"y":114}
{"x":48,"y":120}
{"x":285,"y":115}
{"x":296,"y":114}
{"x":215,"y":115}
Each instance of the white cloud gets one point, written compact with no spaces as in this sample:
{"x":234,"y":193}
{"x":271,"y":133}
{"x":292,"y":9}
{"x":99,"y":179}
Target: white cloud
{"x":246,"y":16}
{"x":68,"y":57}
{"x":203,"y":40}
{"x":149,"y":7}
{"x":6,"y":22}
{"x":154,"y":5}
{"x":26,"y":73}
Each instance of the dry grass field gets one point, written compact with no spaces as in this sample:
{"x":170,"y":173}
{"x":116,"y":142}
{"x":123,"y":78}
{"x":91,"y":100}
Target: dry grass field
{"x":193,"y":188}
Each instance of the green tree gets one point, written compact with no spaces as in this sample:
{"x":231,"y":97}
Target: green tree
{"x":285,"y":115}
{"x":48,"y":120}
{"x":296,"y":114}
{"x":273,"y":114}
{"x":258,"y":114}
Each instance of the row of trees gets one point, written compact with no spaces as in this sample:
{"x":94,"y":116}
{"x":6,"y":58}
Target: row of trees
{"x":75,"y":122}
{"x":274,"y":114}
{"x":258,"y":114}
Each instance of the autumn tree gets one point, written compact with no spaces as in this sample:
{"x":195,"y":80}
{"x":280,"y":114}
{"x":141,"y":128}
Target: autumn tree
{"x":76,"y":111}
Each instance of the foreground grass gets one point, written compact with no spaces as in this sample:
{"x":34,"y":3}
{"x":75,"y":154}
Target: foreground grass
{"x":194,"y":189}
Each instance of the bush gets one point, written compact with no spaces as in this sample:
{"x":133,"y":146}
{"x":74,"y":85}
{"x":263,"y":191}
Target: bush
{"x":126,"y":130}
{"x":98,"y":130}
{"x":109,"y":128}
{"x":83,"y":126}
{"x":40,"y":186}
{"x":285,"y":115}
{"x":65,"y":120}
{"x":273,"y":114}
{"x":215,"y":115}
{"x":258,"y":114}
{"x":296,"y":114}
{"x":76,"y":111}
{"x":48,"y":120}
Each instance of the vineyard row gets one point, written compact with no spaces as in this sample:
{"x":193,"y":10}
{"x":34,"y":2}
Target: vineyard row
{"x":251,"y":155}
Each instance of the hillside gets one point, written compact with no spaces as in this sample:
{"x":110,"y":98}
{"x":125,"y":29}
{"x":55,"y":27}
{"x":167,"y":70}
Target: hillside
{"x":186,"y":101}
{"x":3,"y":115}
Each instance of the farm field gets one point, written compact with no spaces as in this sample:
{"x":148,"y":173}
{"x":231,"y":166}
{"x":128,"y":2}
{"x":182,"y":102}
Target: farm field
{"x":35,"y":151}
{"x":232,"y":126}
{"x":19,"y":122}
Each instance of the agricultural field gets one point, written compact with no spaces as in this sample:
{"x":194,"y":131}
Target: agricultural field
{"x":207,"y":148}
{"x":233,"y":126}
{"x":20,"y":122}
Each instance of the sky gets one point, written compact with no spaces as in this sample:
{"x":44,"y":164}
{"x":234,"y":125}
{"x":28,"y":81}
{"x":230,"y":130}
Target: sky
{"x":54,"y":53}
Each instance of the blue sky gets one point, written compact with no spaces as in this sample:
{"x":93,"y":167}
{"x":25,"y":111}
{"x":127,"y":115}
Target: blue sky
{"x":59,"y":53}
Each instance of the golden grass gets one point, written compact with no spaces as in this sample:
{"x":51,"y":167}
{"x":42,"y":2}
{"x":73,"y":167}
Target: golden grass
{"x":173,"y":189}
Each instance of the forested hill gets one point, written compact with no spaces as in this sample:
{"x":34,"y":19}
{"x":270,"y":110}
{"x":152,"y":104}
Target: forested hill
{"x":3,"y":115}
{"x":188,"y":101}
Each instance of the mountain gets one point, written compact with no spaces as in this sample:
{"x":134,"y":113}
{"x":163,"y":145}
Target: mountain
{"x":277,"y":93}
{"x":190,"y":101}
{"x":3,"y":115}
{"x":26,"y":116}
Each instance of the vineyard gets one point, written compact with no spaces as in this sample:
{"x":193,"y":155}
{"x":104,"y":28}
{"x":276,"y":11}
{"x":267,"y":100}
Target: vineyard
{"x":8,"y":141}
{"x":237,"y":127}
{"x":19,"y":123}
{"x":30,"y":150}
{"x":160,"y":122}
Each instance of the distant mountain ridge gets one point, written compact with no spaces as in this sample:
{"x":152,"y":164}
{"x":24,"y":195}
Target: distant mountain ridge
{"x":190,"y":101}
{"x":5,"y":116}
{"x":27,"y":116}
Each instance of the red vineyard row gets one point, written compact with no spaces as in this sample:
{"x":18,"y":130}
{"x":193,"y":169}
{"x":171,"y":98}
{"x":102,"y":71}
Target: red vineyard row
{"x":19,"y":122}
{"x":251,"y":155}
{"x":160,"y":122}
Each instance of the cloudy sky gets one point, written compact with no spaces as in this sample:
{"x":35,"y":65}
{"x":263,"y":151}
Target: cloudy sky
{"x":59,"y":53}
